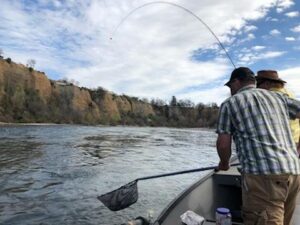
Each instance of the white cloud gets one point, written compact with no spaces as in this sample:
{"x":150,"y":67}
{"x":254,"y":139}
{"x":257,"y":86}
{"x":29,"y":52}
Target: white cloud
{"x":57,"y":3}
{"x":258,"y":48}
{"x":272,"y":19}
{"x":283,"y":5}
{"x":290,"y":39}
{"x":250,"y":36}
{"x":250,"y":28}
{"x":252,"y":57}
{"x":292,"y":14}
{"x":273,"y":54}
{"x":275,"y":32}
{"x":217,"y":95}
{"x":296,"y":29}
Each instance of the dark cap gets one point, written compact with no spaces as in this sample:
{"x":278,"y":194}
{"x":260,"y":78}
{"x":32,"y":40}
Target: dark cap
{"x":241,"y":73}
{"x":268,"y":75}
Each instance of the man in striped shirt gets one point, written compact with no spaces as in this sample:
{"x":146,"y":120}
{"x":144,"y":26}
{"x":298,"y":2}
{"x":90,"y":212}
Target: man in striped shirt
{"x":258,"y":121}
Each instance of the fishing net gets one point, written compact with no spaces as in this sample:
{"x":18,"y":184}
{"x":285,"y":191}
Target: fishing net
{"x":120,"y":198}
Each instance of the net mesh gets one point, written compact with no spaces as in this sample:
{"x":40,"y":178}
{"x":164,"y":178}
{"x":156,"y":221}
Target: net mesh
{"x":120,"y":198}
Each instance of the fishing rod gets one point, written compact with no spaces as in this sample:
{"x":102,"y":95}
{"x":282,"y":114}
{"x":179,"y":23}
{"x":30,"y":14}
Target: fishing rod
{"x":183,"y":8}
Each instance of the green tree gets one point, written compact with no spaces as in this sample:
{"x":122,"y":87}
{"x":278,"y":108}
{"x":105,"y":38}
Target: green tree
{"x":157,"y":102}
{"x":186,"y":103}
{"x":173,"y":101}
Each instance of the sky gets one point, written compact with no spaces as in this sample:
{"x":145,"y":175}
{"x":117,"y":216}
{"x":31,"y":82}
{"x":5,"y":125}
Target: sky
{"x":160,"y":50}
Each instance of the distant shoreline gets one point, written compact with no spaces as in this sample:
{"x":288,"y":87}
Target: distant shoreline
{"x":3,"y":124}
{"x":29,"y":124}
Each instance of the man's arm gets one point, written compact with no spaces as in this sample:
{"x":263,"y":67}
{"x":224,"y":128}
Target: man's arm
{"x":224,"y":150}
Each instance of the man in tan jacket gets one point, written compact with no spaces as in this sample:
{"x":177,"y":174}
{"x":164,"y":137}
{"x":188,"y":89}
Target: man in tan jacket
{"x":269,"y":80}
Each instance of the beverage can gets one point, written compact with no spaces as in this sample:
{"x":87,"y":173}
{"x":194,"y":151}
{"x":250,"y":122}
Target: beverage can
{"x":223,"y":216}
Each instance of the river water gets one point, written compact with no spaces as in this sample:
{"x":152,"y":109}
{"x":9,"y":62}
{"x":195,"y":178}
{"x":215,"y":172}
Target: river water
{"x":52,"y":174}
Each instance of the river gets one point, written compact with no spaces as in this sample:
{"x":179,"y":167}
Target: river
{"x":52,"y":174}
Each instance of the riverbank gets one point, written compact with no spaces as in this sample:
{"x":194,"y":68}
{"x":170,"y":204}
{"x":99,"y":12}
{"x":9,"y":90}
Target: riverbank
{"x":28,"y":124}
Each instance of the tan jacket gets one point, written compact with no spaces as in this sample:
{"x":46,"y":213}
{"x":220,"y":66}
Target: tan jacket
{"x":295,"y":127}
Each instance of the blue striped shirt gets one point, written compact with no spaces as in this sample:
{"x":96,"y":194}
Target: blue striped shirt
{"x":258,"y":120}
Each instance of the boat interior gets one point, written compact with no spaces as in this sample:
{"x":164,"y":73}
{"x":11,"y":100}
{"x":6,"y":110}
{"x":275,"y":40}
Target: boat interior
{"x":229,"y":194}
{"x":216,"y":189}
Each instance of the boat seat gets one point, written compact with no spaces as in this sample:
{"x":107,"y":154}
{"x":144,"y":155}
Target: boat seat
{"x":231,"y":177}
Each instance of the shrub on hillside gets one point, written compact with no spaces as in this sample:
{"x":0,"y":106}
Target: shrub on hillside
{"x":8,"y":60}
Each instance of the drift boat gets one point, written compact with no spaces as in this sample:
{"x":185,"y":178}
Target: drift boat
{"x":215,"y":189}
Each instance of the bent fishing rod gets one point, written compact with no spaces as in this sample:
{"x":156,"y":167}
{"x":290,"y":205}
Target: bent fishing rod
{"x":183,"y":8}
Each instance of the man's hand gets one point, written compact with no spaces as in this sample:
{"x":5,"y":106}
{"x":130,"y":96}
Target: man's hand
{"x":223,"y":166}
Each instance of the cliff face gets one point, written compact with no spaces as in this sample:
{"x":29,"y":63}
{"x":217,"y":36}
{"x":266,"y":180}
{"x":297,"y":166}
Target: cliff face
{"x":27,"y":95}
{"x":17,"y":83}
{"x":12,"y":74}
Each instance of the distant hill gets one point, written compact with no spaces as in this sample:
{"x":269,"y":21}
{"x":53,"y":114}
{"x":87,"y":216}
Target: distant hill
{"x":28,"y":96}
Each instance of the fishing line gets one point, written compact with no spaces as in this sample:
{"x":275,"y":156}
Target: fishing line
{"x":181,"y":7}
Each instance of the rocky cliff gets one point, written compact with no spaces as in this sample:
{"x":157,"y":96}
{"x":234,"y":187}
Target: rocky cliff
{"x":27,"y":95}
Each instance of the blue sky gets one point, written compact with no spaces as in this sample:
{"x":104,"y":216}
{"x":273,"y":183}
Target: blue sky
{"x":159,"y":50}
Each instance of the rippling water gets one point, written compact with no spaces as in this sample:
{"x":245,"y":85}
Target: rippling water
{"x":53,"y":174}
